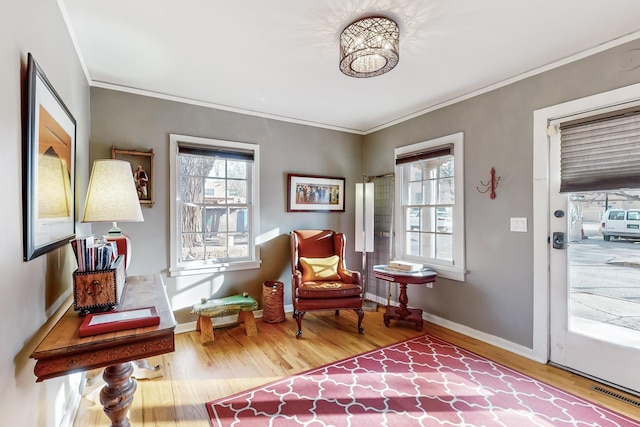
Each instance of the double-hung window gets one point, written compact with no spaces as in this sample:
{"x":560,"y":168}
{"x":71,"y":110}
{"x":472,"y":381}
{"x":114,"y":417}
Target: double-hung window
{"x":430,"y":205}
{"x":214,"y":205}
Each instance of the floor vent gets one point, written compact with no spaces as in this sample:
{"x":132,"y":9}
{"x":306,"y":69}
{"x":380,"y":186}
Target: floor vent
{"x":615,"y":395}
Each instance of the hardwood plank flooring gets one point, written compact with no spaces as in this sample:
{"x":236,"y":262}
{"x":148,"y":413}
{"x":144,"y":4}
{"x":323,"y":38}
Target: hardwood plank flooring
{"x":195,"y":374}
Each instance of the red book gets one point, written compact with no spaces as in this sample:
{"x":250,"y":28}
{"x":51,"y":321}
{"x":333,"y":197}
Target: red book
{"x":112,"y":321}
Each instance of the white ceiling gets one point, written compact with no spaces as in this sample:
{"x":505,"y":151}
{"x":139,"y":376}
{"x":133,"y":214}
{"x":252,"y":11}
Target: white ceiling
{"x":279,"y":58}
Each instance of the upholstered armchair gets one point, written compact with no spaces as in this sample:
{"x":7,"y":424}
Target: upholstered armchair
{"x":320,"y":280}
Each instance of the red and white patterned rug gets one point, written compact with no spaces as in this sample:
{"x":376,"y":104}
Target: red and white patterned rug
{"x":423,"y":381}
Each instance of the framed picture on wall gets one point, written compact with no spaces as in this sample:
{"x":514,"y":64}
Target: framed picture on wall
{"x":48,"y":167}
{"x":312,"y":193}
{"x":142,"y":170}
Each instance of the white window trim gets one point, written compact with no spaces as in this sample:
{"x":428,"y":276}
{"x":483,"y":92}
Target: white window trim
{"x":456,"y":271}
{"x":177,"y":270}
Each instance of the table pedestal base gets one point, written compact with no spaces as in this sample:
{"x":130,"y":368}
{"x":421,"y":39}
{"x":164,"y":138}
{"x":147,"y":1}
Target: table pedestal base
{"x":116,"y":397}
{"x":413,"y":315}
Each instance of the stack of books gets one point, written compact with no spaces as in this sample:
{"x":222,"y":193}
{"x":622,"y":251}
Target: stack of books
{"x":409,"y":267}
{"x":93,"y":254}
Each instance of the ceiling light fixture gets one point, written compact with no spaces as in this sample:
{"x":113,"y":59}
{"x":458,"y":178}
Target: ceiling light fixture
{"x":369,"y":47}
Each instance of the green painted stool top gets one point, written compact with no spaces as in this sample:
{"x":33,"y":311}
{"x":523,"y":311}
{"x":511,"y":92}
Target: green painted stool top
{"x":218,"y":307}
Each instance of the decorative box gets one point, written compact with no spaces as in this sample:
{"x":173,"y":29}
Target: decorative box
{"x":97,"y":291}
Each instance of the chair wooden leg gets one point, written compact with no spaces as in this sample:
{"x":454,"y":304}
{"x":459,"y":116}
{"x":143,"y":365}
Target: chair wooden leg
{"x":298,"y":315}
{"x":206,"y":330}
{"x":360,"y":317}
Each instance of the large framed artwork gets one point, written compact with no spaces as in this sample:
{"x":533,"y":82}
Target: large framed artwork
{"x":312,"y":193}
{"x":48,"y":167}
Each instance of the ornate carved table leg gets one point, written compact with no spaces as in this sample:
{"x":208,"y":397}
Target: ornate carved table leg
{"x":117,"y":395}
{"x":403,"y":312}
{"x":388,"y":315}
{"x":403,"y":299}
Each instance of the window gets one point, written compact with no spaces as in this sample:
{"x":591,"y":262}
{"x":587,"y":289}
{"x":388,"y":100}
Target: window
{"x":617,"y":215}
{"x":430,"y":205}
{"x":214,"y":205}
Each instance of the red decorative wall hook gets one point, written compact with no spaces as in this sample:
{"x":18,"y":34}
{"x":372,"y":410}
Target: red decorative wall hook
{"x":491,"y":185}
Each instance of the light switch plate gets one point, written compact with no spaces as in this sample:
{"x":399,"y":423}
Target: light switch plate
{"x":519,"y":225}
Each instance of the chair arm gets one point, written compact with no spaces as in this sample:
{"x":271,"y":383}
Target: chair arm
{"x":350,"y":276}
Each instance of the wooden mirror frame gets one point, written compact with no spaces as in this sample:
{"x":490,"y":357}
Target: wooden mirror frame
{"x":135,"y":158}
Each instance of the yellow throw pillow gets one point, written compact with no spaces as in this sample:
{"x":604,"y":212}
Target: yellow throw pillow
{"x":320,"y":268}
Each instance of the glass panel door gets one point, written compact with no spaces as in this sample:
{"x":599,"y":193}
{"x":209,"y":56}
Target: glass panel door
{"x":594,"y":283}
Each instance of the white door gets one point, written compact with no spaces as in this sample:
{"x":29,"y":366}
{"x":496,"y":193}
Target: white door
{"x":595,"y":348}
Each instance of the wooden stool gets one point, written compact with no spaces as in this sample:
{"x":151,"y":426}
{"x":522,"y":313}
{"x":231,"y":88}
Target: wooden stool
{"x":242,"y":305}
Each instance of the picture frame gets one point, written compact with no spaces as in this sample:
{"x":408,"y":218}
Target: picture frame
{"x":49,"y":151}
{"x":314,"y":193}
{"x":142,"y":169}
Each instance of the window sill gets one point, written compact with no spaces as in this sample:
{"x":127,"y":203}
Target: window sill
{"x":212,"y":268}
{"x":456,"y":274}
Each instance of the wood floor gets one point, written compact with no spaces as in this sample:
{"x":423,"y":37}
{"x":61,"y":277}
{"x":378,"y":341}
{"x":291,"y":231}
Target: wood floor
{"x":194,"y":375}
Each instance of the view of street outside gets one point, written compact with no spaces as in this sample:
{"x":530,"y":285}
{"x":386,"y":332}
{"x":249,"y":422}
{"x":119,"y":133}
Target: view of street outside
{"x":604,"y":279}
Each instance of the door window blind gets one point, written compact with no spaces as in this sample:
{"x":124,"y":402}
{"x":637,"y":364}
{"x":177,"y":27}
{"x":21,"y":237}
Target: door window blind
{"x":600,"y":153}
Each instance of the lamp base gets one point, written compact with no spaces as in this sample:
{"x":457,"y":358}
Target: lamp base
{"x":124,"y":247}
{"x":115,"y":230}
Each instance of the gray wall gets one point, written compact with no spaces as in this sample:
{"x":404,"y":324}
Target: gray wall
{"x":26,"y":288}
{"x":497,"y":296}
{"x":138,"y":122}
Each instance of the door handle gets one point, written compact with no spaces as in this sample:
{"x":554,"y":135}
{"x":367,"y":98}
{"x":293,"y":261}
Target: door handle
{"x":558,"y":240}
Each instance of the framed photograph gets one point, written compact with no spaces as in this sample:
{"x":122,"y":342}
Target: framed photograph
{"x":48,"y":167}
{"x":142,"y":170}
{"x":310,"y":193}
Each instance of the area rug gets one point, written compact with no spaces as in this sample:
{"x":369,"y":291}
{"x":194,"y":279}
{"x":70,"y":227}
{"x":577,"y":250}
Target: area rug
{"x":423,"y":381}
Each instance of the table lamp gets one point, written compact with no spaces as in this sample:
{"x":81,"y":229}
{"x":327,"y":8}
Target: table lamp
{"x":112,"y":197}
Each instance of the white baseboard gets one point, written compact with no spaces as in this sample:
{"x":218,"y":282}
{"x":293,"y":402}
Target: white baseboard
{"x":376,"y":298}
{"x":484,"y":337}
{"x":518,"y":349}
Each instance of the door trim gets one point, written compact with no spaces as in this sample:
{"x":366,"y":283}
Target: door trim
{"x":542,"y":119}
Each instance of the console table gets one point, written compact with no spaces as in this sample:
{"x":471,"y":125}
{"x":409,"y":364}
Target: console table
{"x":403,"y":278}
{"x":63,"y":352}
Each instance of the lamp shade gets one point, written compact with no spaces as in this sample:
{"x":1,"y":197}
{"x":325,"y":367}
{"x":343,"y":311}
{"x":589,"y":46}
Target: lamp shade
{"x":112,"y":194}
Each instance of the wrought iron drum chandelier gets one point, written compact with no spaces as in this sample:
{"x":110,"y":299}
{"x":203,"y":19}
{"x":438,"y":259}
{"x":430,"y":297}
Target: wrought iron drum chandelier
{"x":369,"y":47}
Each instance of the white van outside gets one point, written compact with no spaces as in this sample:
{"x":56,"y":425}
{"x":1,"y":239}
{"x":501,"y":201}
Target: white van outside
{"x":620,"y":223}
